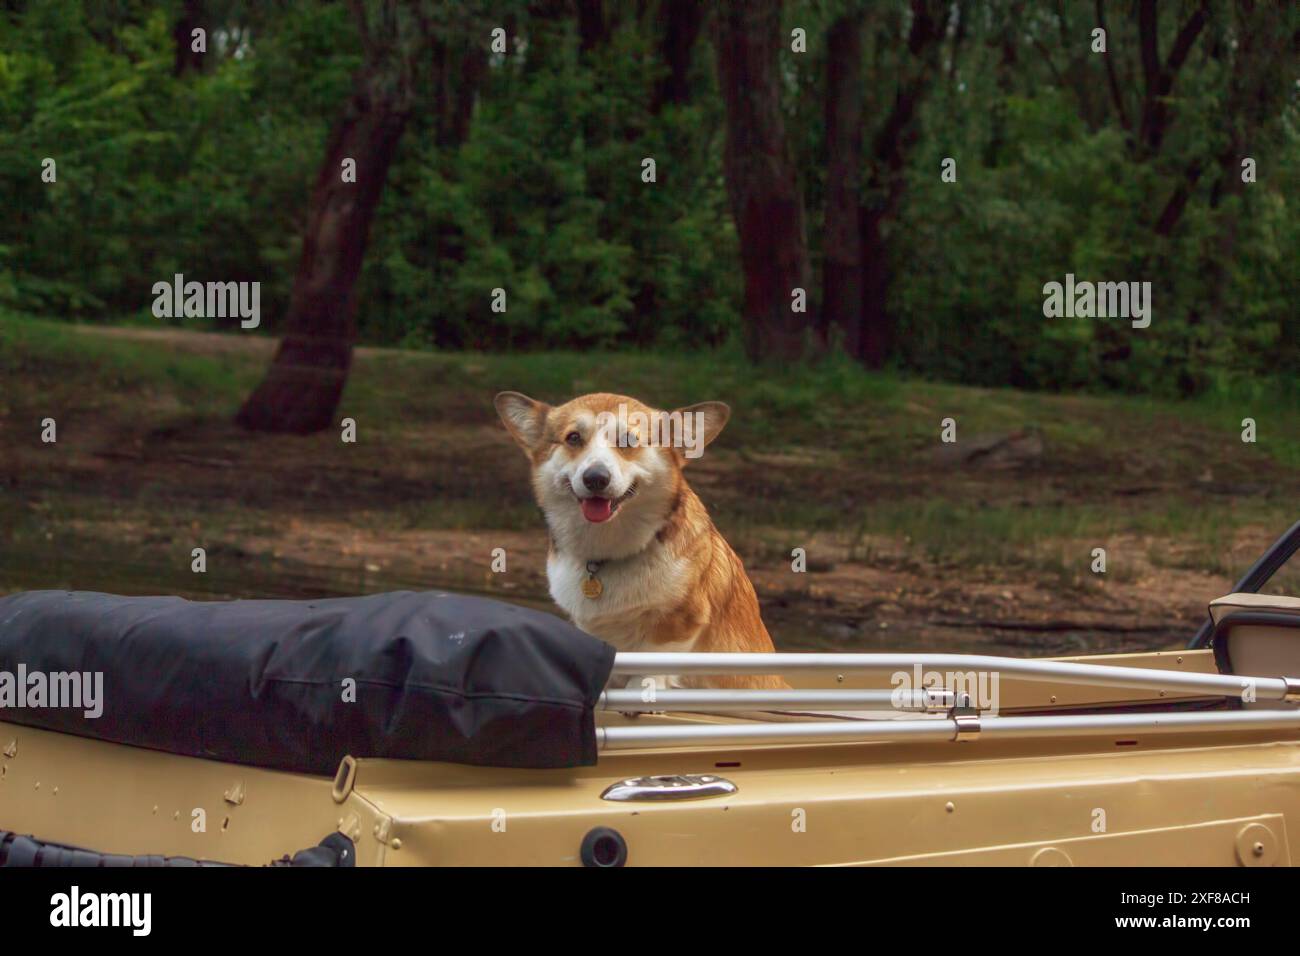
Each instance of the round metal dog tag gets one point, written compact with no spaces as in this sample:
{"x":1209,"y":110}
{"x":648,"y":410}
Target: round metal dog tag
{"x":592,"y":588}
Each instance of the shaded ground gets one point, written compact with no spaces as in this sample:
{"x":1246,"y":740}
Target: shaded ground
{"x":983,"y":546}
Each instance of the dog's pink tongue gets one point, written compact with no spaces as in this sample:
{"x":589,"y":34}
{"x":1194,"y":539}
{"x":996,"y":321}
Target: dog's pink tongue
{"x":597,"y":509}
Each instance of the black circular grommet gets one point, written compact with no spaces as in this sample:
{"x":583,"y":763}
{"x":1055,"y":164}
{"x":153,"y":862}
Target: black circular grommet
{"x":604,"y":847}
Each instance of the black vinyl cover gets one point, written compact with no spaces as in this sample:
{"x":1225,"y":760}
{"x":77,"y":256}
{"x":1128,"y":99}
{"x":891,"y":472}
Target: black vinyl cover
{"x":438,"y":677}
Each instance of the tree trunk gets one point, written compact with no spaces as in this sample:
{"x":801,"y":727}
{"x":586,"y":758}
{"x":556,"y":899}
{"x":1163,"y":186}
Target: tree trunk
{"x":842,"y":292}
{"x":1112,"y":78}
{"x":684,"y":20}
{"x":302,"y":389}
{"x":457,"y":78}
{"x":1158,"y":79}
{"x":889,"y":150}
{"x":876,"y":338}
{"x":1254,"y":93}
{"x":766,"y":201}
{"x":593,"y":29}
{"x":186,"y":59}
{"x":1177,"y":204}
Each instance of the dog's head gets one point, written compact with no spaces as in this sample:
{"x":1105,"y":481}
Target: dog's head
{"x":606,"y":468}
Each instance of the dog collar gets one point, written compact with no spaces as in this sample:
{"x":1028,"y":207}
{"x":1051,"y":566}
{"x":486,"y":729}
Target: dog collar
{"x":592,"y":588}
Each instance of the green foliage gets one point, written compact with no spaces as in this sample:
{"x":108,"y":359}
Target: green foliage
{"x":204,"y":175}
{"x":208,"y":173}
{"x":1051,"y":183}
{"x":546,"y":201}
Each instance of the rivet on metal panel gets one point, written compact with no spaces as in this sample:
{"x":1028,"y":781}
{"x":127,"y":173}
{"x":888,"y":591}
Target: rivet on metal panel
{"x":397,"y":844}
{"x":382,"y":830}
{"x":1257,"y":845}
{"x":235,"y":795}
{"x":950,"y":806}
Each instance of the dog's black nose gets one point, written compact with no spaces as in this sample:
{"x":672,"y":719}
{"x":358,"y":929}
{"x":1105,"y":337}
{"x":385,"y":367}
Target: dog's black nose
{"x":596,"y":478}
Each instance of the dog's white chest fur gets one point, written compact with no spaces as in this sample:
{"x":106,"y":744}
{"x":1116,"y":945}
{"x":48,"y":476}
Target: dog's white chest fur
{"x":635,"y":592}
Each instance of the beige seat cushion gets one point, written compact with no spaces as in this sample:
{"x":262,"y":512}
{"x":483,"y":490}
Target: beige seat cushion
{"x":1260,"y":650}
{"x":1221,"y":607}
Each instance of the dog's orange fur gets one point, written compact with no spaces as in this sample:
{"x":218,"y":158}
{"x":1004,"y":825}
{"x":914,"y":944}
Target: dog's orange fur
{"x":721,"y":606}
{"x":711,"y":605}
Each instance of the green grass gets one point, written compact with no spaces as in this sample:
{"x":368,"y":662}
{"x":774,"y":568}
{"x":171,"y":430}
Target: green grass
{"x":874,"y":425}
{"x":781,"y":406}
{"x":832,"y":405}
{"x":1274,"y":405}
{"x":943,"y":533}
{"x":58,"y":362}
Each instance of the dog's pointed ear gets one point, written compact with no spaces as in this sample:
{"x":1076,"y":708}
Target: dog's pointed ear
{"x":706,"y":421}
{"x":524,"y":418}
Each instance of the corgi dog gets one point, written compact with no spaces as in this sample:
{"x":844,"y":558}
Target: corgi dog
{"x":634,"y":558}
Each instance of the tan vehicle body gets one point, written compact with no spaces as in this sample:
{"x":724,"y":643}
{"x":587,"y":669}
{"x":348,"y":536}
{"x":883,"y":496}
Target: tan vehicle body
{"x":1195,"y":798}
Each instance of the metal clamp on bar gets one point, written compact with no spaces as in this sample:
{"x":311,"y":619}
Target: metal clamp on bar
{"x":1292,"y":695}
{"x":938,"y":699}
{"x":966,"y":717}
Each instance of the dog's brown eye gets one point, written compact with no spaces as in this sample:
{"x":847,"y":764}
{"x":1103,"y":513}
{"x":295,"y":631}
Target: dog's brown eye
{"x":573,"y":438}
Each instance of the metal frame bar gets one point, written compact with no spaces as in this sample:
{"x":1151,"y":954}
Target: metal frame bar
{"x":943,"y":729}
{"x":633,"y":701}
{"x":1095,"y":675}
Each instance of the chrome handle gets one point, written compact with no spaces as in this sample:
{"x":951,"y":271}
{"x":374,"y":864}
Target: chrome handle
{"x":689,"y":786}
